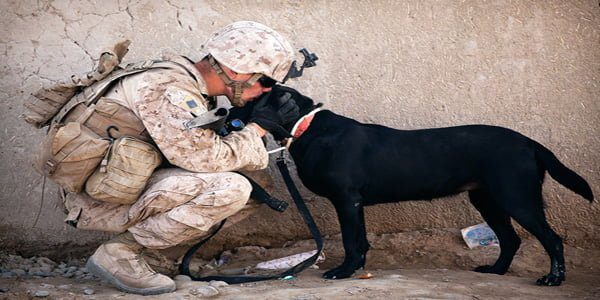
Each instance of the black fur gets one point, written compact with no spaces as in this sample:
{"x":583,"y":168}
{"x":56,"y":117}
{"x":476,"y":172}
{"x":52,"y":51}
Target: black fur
{"x":355,"y":164}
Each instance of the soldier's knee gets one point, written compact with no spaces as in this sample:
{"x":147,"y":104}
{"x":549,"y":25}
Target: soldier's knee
{"x":240,"y":187}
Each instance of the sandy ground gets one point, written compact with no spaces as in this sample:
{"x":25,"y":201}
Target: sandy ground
{"x":429,"y":264}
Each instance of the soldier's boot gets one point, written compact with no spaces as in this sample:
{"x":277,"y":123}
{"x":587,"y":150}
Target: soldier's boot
{"x":119,"y":261}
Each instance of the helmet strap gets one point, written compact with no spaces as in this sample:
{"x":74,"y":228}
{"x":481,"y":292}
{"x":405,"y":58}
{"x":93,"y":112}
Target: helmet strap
{"x":237,"y":87}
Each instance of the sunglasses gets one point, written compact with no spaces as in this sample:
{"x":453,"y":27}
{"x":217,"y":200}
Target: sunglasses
{"x":267,"y":82}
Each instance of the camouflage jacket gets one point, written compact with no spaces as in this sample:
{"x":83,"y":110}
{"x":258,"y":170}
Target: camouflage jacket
{"x":164,"y":99}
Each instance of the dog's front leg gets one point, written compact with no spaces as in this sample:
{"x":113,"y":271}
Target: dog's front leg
{"x":351,"y":217}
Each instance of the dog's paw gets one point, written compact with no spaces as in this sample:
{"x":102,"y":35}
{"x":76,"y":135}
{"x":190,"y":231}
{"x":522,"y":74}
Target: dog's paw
{"x":489,"y":269}
{"x":550,"y":280}
{"x":338,"y":273}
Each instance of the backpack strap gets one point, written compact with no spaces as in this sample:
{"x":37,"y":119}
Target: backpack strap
{"x":91,"y":94}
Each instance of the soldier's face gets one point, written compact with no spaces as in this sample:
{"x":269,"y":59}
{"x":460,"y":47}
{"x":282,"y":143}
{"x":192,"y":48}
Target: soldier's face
{"x":254,"y":91}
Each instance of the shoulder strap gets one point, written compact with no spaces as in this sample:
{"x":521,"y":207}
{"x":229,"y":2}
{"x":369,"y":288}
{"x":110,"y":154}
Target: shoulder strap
{"x":92,"y":93}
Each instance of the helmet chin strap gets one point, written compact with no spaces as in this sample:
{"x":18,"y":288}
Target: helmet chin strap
{"x":237,"y":87}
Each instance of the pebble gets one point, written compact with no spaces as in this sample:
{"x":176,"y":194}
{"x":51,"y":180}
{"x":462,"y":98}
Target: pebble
{"x":217,"y":284}
{"x":41,"y":294}
{"x":88,"y":291}
{"x":182,"y":278}
{"x":204,"y":291}
{"x":64,"y":286}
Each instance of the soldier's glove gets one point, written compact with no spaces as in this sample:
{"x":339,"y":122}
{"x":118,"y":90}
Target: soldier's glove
{"x":273,"y":112}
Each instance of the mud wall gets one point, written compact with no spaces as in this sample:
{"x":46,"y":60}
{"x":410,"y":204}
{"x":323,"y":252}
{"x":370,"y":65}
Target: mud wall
{"x":533,"y":66}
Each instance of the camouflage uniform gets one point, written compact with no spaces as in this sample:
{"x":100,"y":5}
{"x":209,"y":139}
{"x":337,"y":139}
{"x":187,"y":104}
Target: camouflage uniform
{"x":179,"y":205}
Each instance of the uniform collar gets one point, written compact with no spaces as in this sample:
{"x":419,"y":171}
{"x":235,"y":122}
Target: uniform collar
{"x":188,"y":64}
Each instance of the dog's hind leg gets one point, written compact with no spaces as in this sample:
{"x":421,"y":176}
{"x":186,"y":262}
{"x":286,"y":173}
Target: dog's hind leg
{"x":523,"y":202}
{"x":500,"y":223}
{"x":534,"y":221}
{"x":351,"y":217}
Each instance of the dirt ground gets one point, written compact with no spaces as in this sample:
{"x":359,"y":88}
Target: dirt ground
{"x":428,"y":264}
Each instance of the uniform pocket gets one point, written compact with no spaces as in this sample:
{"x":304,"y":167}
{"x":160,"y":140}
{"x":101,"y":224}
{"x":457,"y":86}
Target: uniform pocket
{"x":69,"y":155}
{"x":129,"y":165}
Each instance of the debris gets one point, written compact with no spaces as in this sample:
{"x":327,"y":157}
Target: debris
{"x":41,"y":294}
{"x":479,"y":235}
{"x":217,"y":284}
{"x":204,"y":291}
{"x":365,"y":276}
{"x":288,"y":261}
{"x":289,"y":277}
{"x":355,"y":290}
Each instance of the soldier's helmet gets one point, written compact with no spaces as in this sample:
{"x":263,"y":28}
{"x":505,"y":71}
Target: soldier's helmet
{"x":248,"y":47}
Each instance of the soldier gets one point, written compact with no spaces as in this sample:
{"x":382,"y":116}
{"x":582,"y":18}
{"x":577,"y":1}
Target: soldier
{"x":180,"y":205}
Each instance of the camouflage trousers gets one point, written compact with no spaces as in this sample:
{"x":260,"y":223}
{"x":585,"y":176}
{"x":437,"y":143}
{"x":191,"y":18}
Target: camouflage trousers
{"x":178,"y":207}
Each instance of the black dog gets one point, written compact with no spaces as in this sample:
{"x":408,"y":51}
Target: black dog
{"x":355,"y":164}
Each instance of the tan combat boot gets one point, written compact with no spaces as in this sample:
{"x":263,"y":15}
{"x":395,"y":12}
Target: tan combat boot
{"x":119,"y":262}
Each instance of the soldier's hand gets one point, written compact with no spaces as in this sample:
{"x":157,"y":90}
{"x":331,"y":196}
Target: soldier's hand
{"x":273,"y":114}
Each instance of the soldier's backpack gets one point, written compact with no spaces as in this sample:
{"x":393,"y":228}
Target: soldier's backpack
{"x":80,"y":121}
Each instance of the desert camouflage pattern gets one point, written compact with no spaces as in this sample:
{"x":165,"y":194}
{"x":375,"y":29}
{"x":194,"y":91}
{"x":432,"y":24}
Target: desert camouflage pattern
{"x":161,"y":98}
{"x":249,"y":47}
{"x":179,"y":205}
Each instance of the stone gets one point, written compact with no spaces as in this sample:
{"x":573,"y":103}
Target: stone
{"x":64,"y":286}
{"x":217,"y":284}
{"x":88,"y":291}
{"x":41,"y":293}
{"x":19,"y":272}
{"x":182,"y":278}
{"x":204,"y":291}
{"x":7,"y":274}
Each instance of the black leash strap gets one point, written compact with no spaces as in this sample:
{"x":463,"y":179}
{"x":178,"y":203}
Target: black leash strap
{"x":308,"y":219}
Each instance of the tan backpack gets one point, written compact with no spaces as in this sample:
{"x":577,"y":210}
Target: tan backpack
{"x":79,"y":135}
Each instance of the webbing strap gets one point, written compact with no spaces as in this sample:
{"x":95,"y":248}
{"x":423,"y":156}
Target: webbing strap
{"x":312,"y":226}
{"x":91,"y":94}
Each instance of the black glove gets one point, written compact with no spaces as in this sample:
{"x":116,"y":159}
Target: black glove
{"x":273,"y":112}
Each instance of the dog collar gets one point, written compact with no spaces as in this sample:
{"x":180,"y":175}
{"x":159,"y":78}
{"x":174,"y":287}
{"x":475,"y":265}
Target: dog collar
{"x":303,"y":123}
{"x":299,"y":128}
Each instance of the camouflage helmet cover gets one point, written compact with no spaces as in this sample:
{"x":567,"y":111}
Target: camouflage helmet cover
{"x":248,"y":47}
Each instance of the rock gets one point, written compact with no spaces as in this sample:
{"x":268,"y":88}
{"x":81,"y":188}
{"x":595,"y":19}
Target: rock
{"x":217,"y":284}
{"x":7,"y":274}
{"x":19,"y":272}
{"x":3,"y":290}
{"x":47,"y":286}
{"x":46,"y":262}
{"x":88,"y":291}
{"x":182,"y":278}
{"x":41,"y":294}
{"x":64,"y":287}
{"x":204,"y":291}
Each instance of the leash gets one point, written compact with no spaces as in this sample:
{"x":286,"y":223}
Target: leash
{"x":306,"y":216}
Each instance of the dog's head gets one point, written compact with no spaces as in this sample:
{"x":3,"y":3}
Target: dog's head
{"x":305,"y":104}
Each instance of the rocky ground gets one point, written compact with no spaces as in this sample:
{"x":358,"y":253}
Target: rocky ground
{"x":429,"y":264}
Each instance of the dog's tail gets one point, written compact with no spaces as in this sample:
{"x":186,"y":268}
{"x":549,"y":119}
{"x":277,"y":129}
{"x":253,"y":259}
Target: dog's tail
{"x":561,"y":173}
